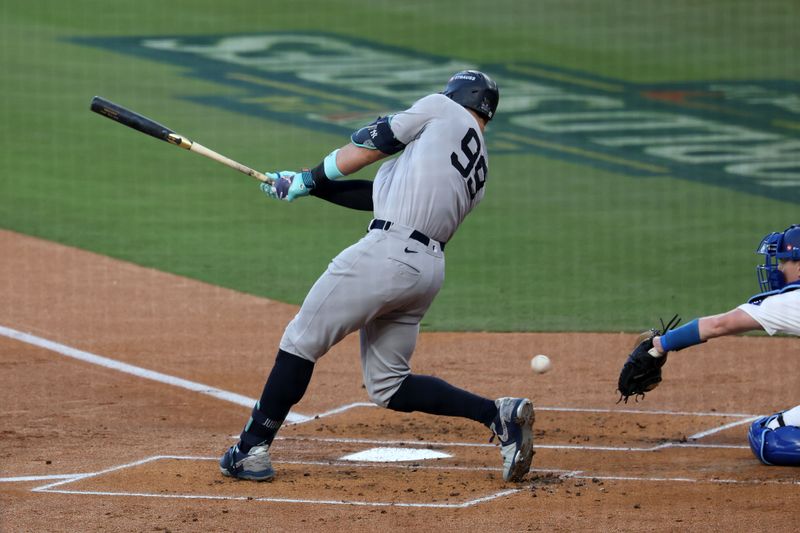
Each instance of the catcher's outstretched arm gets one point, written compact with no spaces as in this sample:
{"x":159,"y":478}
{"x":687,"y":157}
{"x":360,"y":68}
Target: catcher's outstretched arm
{"x":702,"y":329}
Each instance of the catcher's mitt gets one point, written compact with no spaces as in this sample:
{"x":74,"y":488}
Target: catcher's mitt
{"x":642,"y":371}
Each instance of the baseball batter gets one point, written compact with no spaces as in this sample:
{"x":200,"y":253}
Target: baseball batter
{"x":774,"y":439}
{"x":383,"y":284}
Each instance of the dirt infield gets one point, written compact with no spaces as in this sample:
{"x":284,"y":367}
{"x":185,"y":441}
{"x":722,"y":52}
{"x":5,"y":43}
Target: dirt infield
{"x":121,"y":386}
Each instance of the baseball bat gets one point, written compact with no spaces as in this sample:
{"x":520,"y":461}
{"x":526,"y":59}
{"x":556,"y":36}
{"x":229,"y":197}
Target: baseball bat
{"x":143,"y":124}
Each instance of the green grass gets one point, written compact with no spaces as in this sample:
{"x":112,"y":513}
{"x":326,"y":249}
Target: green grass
{"x":556,"y":245}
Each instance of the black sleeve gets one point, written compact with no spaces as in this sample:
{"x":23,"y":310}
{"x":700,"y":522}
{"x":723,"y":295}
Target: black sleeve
{"x":377,"y":135}
{"x":355,"y":194}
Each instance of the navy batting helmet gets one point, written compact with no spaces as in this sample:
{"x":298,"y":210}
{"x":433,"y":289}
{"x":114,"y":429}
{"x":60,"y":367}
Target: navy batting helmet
{"x":474,"y":90}
{"x":783,"y":246}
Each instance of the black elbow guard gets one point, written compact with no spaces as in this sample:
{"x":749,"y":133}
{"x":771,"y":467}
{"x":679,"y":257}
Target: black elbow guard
{"x":377,"y":136}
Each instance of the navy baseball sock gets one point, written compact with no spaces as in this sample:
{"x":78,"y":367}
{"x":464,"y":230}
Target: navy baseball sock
{"x":285,"y":387}
{"x":437,"y":397}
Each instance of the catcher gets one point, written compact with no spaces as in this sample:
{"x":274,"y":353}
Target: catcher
{"x":775,"y":439}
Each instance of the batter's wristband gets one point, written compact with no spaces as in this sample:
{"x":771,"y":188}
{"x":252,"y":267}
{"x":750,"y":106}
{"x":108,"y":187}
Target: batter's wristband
{"x":682,"y":337}
{"x":332,"y":171}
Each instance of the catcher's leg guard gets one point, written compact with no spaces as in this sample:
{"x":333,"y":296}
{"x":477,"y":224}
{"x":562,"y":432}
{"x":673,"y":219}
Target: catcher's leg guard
{"x":780,"y":446}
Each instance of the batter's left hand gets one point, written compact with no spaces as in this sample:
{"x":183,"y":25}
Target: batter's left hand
{"x":288,"y":185}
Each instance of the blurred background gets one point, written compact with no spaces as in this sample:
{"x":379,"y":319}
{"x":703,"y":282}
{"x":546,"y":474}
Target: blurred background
{"x":640,"y":152}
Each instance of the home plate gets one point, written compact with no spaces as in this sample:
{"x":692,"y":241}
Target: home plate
{"x":390,"y":455}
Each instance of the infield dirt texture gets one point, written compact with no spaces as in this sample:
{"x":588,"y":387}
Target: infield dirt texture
{"x":640,"y":152}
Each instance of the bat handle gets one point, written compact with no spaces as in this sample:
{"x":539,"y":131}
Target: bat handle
{"x":198,"y":148}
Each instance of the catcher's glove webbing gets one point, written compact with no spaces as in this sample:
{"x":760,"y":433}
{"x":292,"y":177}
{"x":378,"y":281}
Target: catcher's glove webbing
{"x":641,"y":373}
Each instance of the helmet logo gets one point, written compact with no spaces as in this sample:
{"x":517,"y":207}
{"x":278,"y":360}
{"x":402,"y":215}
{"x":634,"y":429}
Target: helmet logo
{"x":473,"y":90}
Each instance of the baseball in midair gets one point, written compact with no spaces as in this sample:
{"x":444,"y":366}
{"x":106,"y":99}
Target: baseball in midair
{"x":541,"y":364}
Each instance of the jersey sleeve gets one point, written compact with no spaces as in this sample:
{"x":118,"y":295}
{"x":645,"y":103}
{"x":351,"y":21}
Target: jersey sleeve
{"x":777,"y":314}
{"x":408,"y":124}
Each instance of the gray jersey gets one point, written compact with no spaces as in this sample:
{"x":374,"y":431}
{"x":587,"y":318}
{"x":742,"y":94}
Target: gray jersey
{"x":439,"y":177}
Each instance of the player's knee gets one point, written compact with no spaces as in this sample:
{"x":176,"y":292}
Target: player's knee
{"x":296,"y":345}
{"x":381,"y":392}
{"x":780,"y":446}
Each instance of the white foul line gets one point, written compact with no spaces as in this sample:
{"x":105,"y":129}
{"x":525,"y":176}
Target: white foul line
{"x":708,"y":432}
{"x":19,"y":479}
{"x":95,"y":474}
{"x":138,"y":371}
{"x":292,"y":417}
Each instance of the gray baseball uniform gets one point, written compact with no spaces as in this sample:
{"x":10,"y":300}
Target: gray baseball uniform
{"x":384,"y":283}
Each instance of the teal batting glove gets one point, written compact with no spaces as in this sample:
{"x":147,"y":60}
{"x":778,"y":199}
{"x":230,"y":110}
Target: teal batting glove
{"x":269,"y":188}
{"x":288,"y":185}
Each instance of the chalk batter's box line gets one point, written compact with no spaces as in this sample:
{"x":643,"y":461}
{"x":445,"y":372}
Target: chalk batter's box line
{"x":346,"y":407}
{"x":51,"y":487}
{"x":74,"y":477}
{"x":564,"y":474}
{"x":443,"y":444}
{"x":746,"y":418}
